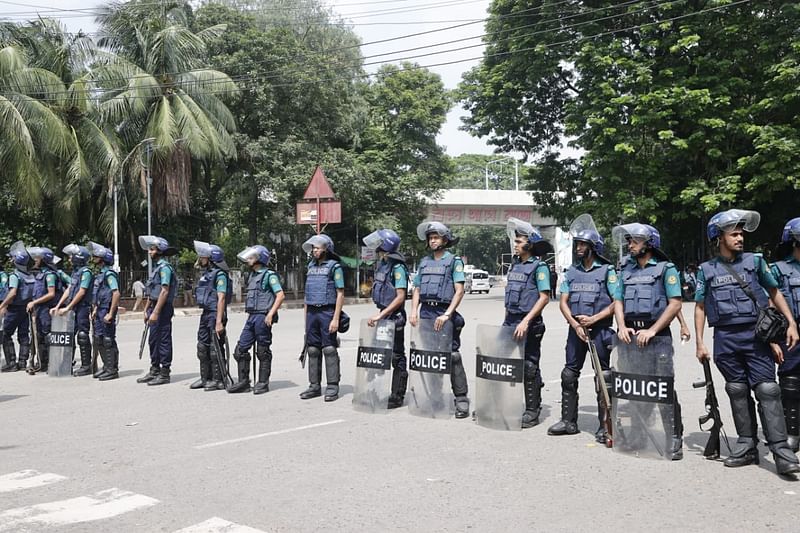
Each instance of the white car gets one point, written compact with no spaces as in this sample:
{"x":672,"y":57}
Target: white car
{"x":477,"y":281}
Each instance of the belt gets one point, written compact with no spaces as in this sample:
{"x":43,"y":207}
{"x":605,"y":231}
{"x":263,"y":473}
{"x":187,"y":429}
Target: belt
{"x":436,"y":304}
{"x":645,"y":324}
{"x":322,"y":306}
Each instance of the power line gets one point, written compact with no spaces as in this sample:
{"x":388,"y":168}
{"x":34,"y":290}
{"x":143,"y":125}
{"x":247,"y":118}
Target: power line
{"x":485,"y":56}
{"x":312,"y":53}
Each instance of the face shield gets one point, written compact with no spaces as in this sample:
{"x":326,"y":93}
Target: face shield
{"x":515,"y":227}
{"x":373,"y":240}
{"x":97,"y":250}
{"x":622,"y":233}
{"x":148,"y":241}
{"x":315,"y":241}
{"x":733,"y":218}
{"x":202,"y":249}
{"x":71,"y":249}
{"x":251,"y":252}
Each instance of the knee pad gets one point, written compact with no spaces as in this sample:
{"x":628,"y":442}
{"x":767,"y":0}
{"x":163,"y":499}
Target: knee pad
{"x":608,"y":377}
{"x":239,"y":354}
{"x":529,"y":369}
{"x":768,"y":390}
{"x":263,"y":352}
{"x":790,"y":387}
{"x":398,"y":360}
{"x":82,"y":338}
{"x":455,"y":357}
{"x":736,"y":389}
{"x":108,"y":342}
{"x":328,"y":351}
{"x":314,"y":351}
{"x":569,"y":378}
{"x":203,"y":351}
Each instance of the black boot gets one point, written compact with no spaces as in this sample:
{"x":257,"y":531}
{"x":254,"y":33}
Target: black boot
{"x":162,"y":378}
{"x":745,"y":451}
{"x":85,"y":347}
{"x":314,"y":362}
{"x":399,"y":384}
{"x":458,"y":377}
{"x":774,"y":424}
{"x":216,"y":382}
{"x":10,"y":355}
{"x":568,"y":425}
{"x":264,"y":369}
{"x":204,"y":356}
{"x":790,"y":397}
{"x":24,"y":353}
{"x":243,"y":364}
{"x":332,"y":373}
{"x":150,"y":376}
{"x":98,"y":346}
{"x":111,"y":360}
{"x":44,"y":355}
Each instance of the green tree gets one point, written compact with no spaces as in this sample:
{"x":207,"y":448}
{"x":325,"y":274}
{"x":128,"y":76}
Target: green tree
{"x":676,"y":117}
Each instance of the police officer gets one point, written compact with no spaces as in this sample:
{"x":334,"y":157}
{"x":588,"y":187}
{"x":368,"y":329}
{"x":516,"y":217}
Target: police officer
{"x":213,"y":294}
{"x":648,"y":298}
{"x":78,"y":297}
{"x":105,"y":300}
{"x":787,"y":273}
{"x":527,"y":294}
{"x":439,"y":288}
{"x":389,"y":294}
{"x":264,"y":298}
{"x":20,"y":292}
{"x":324,"y":297}
{"x":587,"y":302}
{"x":161,"y":289}
{"x":3,"y":293}
{"x":745,"y":361}
{"x":47,"y":291}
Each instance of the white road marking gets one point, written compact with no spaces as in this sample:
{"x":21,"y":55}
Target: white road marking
{"x":27,"y":479}
{"x":270,"y":434}
{"x":102,"y":505}
{"x":218,"y":525}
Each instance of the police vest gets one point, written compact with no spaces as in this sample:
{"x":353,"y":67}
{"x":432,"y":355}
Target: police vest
{"x":40,"y":287}
{"x":436,"y":279}
{"x":645,"y":295}
{"x":260,"y":300}
{"x":206,"y":290}
{"x":726,"y":304}
{"x":588,"y":292}
{"x":383,"y":290}
{"x":75,"y":286}
{"x":320,"y":287}
{"x":153,"y":289}
{"x":3,"y":286}
{"x":521,"y":290}
{"x":101,"y":292}
{"x":790,"y":285}
{"x":24,"y":288}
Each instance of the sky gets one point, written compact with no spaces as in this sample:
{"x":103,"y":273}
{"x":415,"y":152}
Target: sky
{"x":369,"y":20}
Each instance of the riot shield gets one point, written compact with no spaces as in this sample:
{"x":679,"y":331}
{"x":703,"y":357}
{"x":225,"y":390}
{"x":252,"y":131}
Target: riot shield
{"x":430,"y":394}
{"x":499,"y":367}
{"x":642,"y":398}
{"x":62,"y":344}
{"x":374,"y":367}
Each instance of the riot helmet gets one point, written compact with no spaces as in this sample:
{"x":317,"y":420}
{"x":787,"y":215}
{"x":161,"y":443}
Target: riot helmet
{"x":257,"y":252}
{"x":790,"y":237}
{"x":730,"y":220}
{"x":19,"y":256}
{"x":101,"y":252}
{"x":212,"y":252}
{"x":537,"y":246}
{"x":78,"y":255}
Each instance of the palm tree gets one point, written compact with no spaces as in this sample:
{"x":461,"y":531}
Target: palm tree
{"x":34,"y":141}
{"x":93,"y":159}
{"x":159,"y":87}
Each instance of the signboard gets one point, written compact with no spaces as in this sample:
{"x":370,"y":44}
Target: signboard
{"x":478,"y":215}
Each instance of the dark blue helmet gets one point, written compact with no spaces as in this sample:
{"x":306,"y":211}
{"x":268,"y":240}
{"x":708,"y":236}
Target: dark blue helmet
{"x":79,"y":255}
{"x":148,"y":241}
{"x":45,"y":254}
{"x":791,"y":231}
{"x":636,"y":230}
{"x":383,"y":239}
{"x":593,"y":238}
{"x":100,"y":251}
{"x":731,"y":219}
{"x":426,"y":228}
{"x":261,"y":254}
{"x":19,"y":255}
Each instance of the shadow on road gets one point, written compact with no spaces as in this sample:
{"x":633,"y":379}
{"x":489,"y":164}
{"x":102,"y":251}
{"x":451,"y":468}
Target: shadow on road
{"x":285,"y":384}
{"x":9,"y":397}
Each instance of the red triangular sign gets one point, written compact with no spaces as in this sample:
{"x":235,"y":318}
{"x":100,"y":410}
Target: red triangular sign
{"x":318,"y":187}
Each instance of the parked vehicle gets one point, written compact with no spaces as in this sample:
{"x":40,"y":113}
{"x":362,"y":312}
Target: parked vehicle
{"x":476,"y":281}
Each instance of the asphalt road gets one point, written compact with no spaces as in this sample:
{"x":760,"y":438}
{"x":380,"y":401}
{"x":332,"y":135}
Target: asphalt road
{"x":188,"y":460}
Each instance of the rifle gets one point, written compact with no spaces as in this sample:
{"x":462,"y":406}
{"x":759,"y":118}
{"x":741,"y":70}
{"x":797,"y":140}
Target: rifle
{"x":302,"y":357}
{"x":602,"y":387}
{"x":144,"y":339}
{"x":711,"y":450}
{"x":34,"y":358}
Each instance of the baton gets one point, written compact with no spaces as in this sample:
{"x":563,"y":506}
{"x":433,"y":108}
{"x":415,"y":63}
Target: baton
{"x":223,"y":364}
{"x":602,"y":386}
{"x":144,"y":340}
{"x":33,"y":366}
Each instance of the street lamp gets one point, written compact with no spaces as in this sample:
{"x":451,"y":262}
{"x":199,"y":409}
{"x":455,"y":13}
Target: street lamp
{"x":116,"y":194}
{"x":503,"y":158}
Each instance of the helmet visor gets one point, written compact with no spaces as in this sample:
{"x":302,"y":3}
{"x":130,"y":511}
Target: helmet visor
{"x":749,"y":220}
{"x":71,"y":249}
{"x":622,"y":233}
{"x":248,"y":253}
{"x":516,"y":226}
{"x":315,"y":241}
{"x":203,"y":249}
{"x":373,"y":240}
{"x":584,"y":222}
{"x":16,"y":248}
{"x":146,"y":241}
{"x":97,"y":250}
{"x":426,"y":228}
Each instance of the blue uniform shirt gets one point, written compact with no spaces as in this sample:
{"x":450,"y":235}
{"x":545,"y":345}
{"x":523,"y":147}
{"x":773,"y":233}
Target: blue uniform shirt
{"x":86,"y":280}
{"x":111,"y":281}
{"x":542,"y":275}
{"x":272,"y":282}
{"x":765,"y":276}
{"x":458,"y":271}
{"x":672,"y":281}
{"x":399,"y":276}
{"x":338,"y":277}
{"x":612,"y":280}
